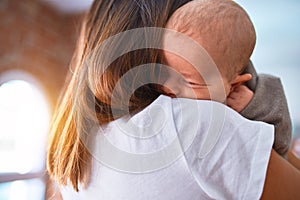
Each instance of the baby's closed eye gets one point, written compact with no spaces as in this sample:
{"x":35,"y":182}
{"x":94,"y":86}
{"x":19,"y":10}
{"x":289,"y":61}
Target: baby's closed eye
{"x":194,"y":84}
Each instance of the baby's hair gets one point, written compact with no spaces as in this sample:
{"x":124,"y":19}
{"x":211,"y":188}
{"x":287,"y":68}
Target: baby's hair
{"x":222,"y":27}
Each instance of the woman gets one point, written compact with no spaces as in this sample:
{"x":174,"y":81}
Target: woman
{"x":104,"y":89}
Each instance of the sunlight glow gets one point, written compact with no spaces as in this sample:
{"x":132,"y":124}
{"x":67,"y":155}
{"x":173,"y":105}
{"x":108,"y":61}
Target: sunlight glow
{"x":24,"y":118}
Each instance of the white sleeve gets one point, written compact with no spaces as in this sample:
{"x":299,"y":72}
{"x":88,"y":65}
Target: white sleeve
{"x":236,"y":166}
{"x":259,"y":160}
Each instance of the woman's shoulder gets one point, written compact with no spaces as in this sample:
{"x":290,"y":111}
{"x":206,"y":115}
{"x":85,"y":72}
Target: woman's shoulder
{"x":228,"y":154}
{"x":222,"y":148}
{"x":207,"y":114}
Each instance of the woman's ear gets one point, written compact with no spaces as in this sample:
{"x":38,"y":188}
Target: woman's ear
{"x":241,"y":79}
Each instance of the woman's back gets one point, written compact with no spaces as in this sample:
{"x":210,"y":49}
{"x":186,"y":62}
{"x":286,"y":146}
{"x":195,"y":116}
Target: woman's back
{"x":174,"y":149}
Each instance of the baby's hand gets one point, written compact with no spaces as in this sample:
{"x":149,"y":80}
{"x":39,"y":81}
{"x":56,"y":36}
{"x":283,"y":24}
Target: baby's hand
{"x":239,"y":98}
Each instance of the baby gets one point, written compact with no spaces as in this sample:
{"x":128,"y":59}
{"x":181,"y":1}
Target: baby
{"x":227,"y":34}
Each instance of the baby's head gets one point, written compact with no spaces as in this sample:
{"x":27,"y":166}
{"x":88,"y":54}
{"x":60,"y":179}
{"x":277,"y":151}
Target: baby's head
{"x":225,"y":31}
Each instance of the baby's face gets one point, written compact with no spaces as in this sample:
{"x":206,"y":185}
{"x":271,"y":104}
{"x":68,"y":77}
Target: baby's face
{"x":185,"y":81}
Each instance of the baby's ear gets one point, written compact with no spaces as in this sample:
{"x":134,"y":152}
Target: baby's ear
{"x":241,"y":79}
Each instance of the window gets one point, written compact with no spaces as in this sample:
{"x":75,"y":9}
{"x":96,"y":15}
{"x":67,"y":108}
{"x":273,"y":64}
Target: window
{"x":24,"y":119}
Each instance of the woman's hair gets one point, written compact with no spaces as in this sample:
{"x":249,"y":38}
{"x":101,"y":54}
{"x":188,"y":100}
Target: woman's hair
{"x":94,"y":78}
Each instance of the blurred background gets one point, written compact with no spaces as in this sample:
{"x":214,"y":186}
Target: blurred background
{"x":37,"y":39}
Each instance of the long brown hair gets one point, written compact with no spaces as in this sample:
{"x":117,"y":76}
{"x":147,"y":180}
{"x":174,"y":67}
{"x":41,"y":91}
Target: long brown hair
{"x":92,"y":84}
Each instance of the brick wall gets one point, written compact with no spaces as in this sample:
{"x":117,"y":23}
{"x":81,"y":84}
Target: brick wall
{"x":39,"y":40}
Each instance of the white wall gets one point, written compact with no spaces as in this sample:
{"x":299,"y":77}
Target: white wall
{"x":277,"y":50}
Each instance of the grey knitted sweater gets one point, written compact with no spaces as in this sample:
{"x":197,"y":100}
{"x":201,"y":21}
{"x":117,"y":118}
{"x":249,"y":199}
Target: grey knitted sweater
{"x":269,"y":104}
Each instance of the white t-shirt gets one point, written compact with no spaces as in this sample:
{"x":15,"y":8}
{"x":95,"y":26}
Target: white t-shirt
{"x":178,"y":149}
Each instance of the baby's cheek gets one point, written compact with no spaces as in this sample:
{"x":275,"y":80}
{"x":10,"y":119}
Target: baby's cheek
{"x":194,"y":94}
{"x":219,"y":94}
{"x":200,"y":94}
